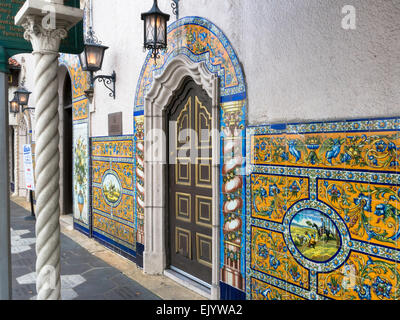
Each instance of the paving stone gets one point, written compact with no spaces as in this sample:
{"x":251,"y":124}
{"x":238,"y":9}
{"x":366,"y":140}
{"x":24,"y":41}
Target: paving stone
{"x":92,"y":288}
{"x":69,"y":245}
{"x":127,"y":293}
{"x":74,"y":269}
{"x":27,"y":278}
{"x":23,"y":292}
{"x":124,"y":282}
{"x":72,"y":281}
{"x":83,"y":275}
{"x":24,"y":262}
{"x":17,"y":271}
{"x":97,"y":263}
{"x":75,"y":259}
{"x":101,"y":273}
{"x":68,"y":294}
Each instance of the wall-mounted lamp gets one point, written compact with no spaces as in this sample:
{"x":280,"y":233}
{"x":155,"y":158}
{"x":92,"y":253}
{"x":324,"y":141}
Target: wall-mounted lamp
{"x":22,"y":96}
{"x":20,"y":101}
{"x":155,"y":30}
{"x":14,"y":106}
{"x":92,"y":60}
{"x":175,"y":8}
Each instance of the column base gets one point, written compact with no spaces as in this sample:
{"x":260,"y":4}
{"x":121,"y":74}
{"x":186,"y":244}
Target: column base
{"x":154,"y":262}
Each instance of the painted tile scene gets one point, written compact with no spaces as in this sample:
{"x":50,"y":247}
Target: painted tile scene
{"x":323,"y":220}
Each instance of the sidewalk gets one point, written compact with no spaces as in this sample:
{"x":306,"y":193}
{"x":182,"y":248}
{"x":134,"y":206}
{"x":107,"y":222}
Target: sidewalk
{"x":89,"y":271}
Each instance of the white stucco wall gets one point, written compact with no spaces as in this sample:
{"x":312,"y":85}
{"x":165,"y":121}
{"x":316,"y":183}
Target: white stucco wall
{"x":299,"y":64}
{"x":118,"y":25}
{"x":20,"y":124}
{"x":29,"y":80}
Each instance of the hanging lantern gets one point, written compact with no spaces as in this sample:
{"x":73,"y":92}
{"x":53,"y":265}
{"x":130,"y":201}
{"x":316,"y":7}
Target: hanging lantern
{"x":91,"y":60}
{"x":93,"y":53}
{"x":22,"y":96}
{"x":14,"y":105}
{"x":155,"y":30}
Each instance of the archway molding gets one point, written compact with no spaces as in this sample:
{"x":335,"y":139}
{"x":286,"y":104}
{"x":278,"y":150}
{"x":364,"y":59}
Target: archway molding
{"x":198,"y":48}
{"x":157,"y":100}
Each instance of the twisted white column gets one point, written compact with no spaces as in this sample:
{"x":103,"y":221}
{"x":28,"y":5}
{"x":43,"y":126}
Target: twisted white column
{"x":45,"y":44}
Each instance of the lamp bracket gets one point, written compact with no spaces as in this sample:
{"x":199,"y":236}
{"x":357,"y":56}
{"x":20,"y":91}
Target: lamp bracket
{"x":175,"y":8}
{"x":108,"y":81}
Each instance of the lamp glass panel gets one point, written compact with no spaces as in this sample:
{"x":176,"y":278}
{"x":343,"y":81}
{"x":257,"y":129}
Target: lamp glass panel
{"x":94,"y":57}
{"x":150,"y":27}
{"x":14,"y":106}
{"x":22,"y":97}
{"x":82,"y":58}
{"x":161,"y":26}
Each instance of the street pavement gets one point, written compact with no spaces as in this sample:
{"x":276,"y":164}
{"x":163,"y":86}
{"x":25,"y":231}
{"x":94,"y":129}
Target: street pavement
{"x":83,"y":275}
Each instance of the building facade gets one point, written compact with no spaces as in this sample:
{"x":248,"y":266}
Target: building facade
{"x":293,"y":191}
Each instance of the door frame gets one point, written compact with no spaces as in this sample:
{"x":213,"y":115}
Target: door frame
{"x":156,"y":165}
{"x":62,"y":76}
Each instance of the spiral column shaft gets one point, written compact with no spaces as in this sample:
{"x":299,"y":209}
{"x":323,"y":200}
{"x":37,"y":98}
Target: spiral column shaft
{"x":45,"y":29}
{"x":47,"y":175}
{"x":46,"y":43}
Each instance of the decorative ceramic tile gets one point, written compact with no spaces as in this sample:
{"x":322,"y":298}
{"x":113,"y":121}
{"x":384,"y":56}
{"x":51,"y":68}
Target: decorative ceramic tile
{"x":355,"y":151}
{"x":139,"y":176}
{"x":112,"y":192}
{"x":79,"y":78}
{"x":112,"y":148}
{"x":80,"y":109}
{"x":264,"y":291}
{"x":362,"y":277}
{"x":80,"y":112}
{"x":323,"y":197}
{"x":81,"y":174}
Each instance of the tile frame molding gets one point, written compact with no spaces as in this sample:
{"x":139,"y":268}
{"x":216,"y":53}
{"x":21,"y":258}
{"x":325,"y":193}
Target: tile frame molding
{"x":155,"y":163}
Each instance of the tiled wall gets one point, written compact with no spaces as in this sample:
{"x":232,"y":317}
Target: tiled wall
{"x":80,"y":110}
{"x":323,"y":206}
{"x":113,"y":220}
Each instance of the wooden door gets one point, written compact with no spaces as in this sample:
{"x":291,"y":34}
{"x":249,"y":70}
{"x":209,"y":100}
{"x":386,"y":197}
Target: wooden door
{"x":190,"y":182}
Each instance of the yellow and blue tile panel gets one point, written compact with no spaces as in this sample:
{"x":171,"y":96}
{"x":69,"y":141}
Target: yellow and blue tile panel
{"x":323,"y":209}
{"x":113,"y":219}
{"x":80,"y":111}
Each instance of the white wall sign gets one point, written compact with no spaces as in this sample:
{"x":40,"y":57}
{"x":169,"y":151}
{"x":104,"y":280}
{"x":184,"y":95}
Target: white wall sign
{"x":28,"y":168}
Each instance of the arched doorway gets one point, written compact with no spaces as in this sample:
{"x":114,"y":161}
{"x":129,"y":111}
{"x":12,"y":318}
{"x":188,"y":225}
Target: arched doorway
{"x":23,"y":138}
{"x":66,"y":144}
{"x":170,"y":93}
{"x":199,"y":49}
{"x":12,"y":158}
{"x":190,"y":183}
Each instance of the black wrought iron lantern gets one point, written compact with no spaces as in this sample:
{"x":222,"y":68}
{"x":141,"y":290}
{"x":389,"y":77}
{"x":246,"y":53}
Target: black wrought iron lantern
{"x":91,"y":60}
{"x":22,"y":96}
{"x":14,"y":105}
{"x":92,"y":57}
{"x":155,"y":30}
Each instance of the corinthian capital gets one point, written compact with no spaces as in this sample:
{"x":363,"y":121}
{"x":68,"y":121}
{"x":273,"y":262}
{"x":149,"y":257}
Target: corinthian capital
{"x":44,"y":39}
{"x":46,"y":23}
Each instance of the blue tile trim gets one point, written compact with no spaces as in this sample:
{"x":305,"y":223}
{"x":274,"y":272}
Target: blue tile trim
{"x":230,"y":293}
{"x":139,"y":254}
{"x":81,"y":229}
{"x":120,"y":249}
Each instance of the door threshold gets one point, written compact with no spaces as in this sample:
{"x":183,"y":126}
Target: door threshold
{"x":181,"y":278}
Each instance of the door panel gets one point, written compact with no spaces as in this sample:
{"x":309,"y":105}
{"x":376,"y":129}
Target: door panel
{"x":190,"y":182}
